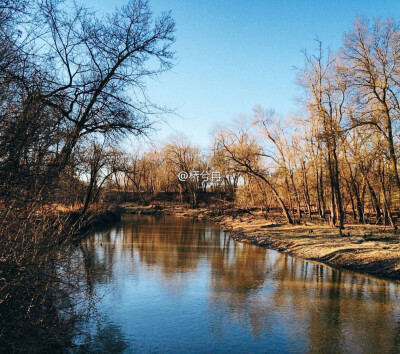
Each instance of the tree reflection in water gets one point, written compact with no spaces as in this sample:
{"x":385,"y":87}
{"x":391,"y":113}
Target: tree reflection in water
{"x":106,"y":339}
{"x":216,"y":294}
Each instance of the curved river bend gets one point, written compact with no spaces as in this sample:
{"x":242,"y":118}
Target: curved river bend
{"x":171,"y":284}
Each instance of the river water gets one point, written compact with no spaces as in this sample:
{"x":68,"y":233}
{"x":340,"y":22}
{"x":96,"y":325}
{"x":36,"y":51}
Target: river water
{"x":168,"y":284}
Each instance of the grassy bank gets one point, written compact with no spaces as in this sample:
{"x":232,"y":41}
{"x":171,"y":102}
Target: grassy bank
{"x":371,"y":249}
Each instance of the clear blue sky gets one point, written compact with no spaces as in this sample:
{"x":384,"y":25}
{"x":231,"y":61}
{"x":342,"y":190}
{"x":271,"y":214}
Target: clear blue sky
{"x":232,"y":55}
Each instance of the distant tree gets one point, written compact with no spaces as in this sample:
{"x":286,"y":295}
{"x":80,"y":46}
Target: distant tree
{"x":183,"y":157}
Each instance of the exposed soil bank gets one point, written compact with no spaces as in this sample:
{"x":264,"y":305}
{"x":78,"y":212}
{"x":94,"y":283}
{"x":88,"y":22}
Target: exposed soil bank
{"x":369,"y":249}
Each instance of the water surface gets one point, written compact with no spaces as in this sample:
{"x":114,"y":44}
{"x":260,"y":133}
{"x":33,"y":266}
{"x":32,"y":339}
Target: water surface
{"x":168,"y":284}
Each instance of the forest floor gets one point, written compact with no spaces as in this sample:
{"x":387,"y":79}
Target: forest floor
{"x":371,"y":249}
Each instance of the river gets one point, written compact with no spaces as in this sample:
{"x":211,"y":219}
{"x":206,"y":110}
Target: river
{"x":168,"y":284}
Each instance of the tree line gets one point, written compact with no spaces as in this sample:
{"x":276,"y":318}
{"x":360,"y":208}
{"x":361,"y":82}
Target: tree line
{"x":335,"y":160}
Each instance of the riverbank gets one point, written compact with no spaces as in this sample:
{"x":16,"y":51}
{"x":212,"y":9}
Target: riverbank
{"x":95,"y":219}
{"x":371,"y":249}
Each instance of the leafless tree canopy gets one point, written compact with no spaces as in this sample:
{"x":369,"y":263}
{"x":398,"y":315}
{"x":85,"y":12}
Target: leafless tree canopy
{"x":67,"y":74}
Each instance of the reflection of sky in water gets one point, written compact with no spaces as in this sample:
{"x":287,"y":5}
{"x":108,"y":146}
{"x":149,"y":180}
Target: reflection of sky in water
{"x":173,"y":284}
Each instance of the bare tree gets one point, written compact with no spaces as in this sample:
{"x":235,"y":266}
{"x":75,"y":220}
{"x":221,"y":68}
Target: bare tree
{"x":372,"y":55}
{"x":246,"y":153}
{"x":325,"y":100}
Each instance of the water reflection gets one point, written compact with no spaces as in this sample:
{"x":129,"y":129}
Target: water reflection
{"x":106,"y":339}
{"x":171,"y":284}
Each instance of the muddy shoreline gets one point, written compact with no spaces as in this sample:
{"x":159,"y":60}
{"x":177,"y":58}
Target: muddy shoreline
{"x":368,"y":249}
